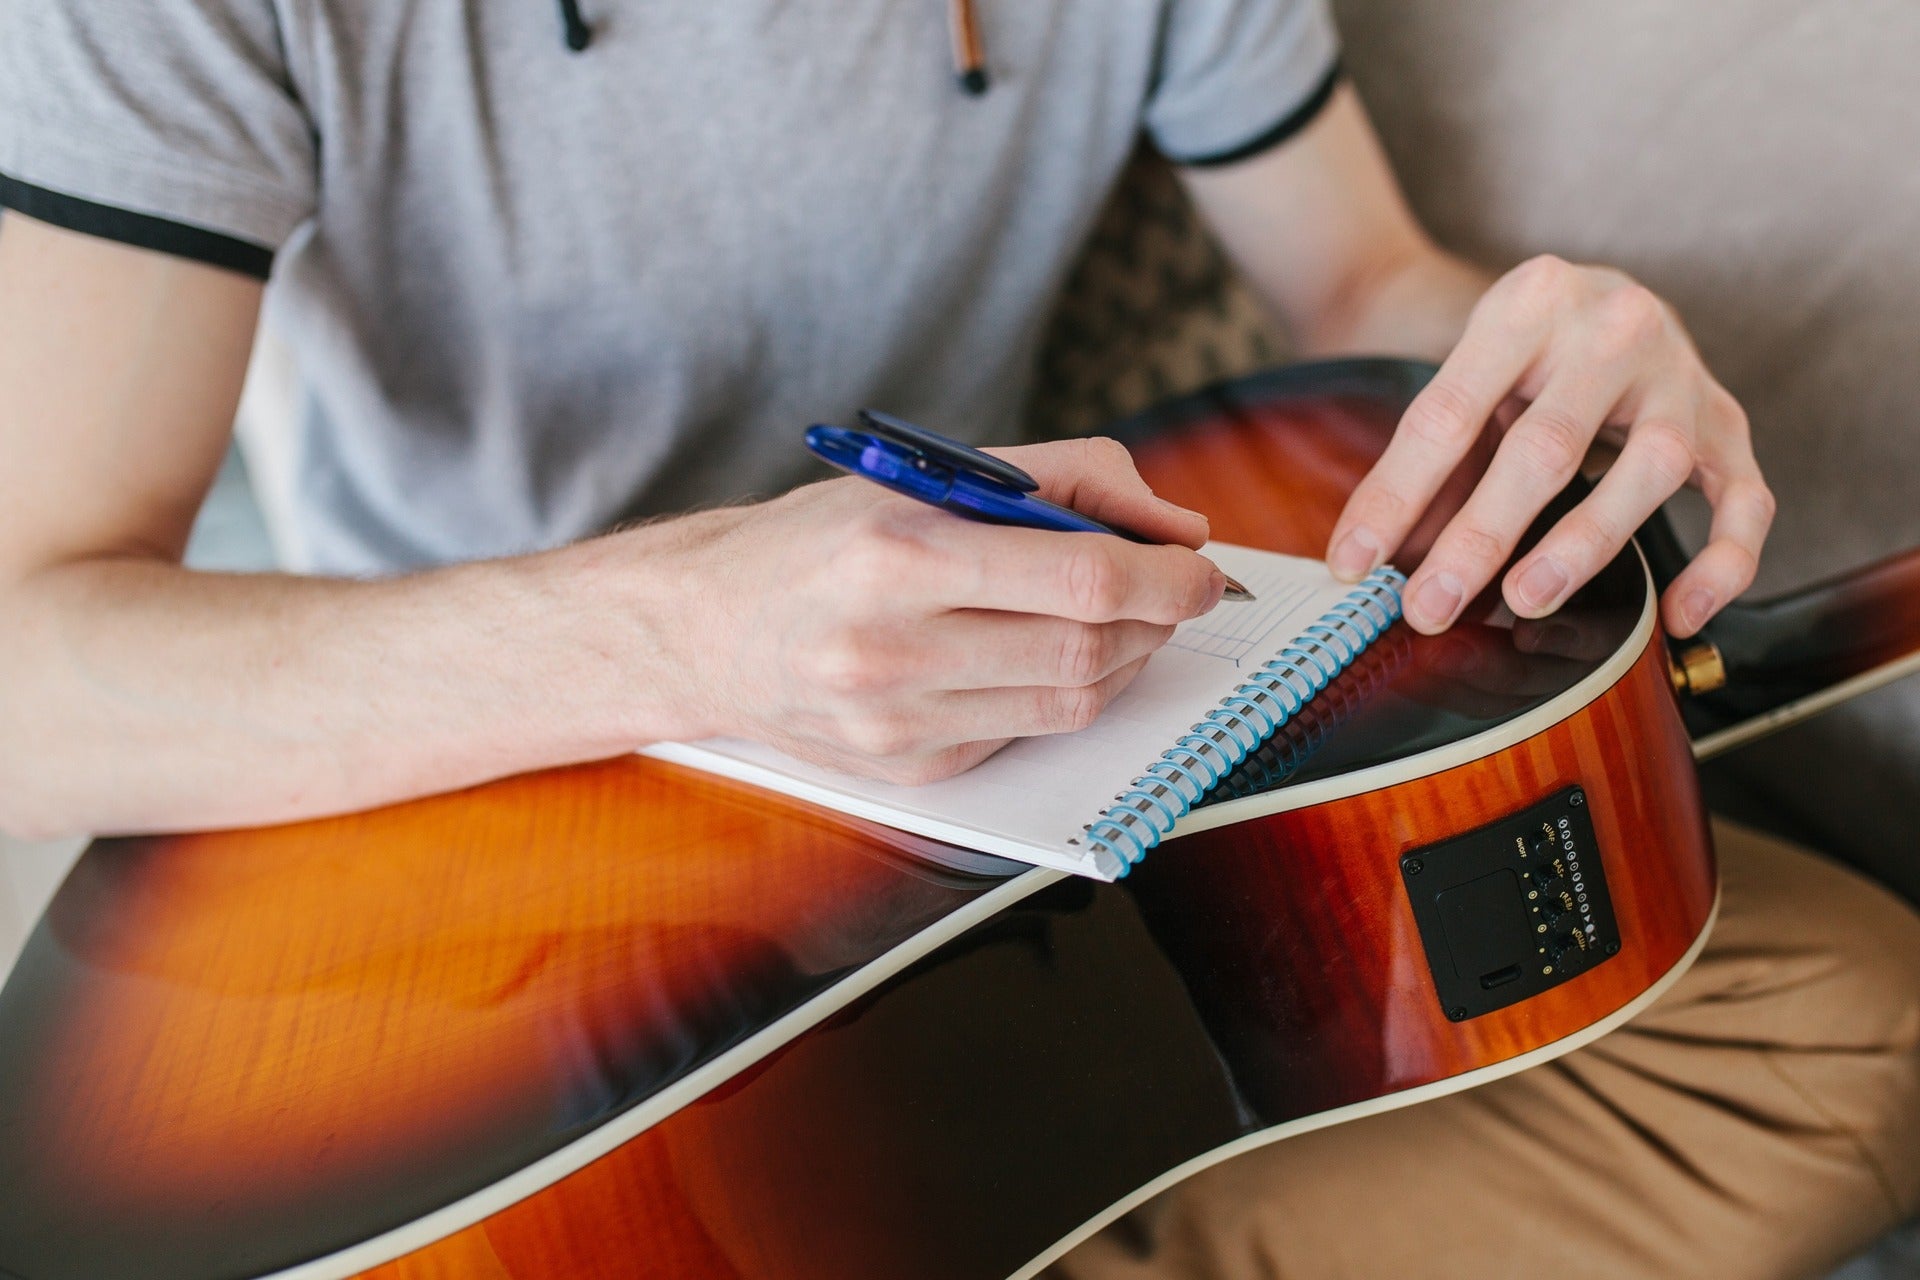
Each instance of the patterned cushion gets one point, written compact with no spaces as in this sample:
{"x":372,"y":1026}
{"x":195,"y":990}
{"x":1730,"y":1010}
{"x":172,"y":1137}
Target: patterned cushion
{"x":1151,"y":310}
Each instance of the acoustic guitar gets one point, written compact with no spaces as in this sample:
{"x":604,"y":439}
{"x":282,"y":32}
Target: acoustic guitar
{"x":628,"y":1020}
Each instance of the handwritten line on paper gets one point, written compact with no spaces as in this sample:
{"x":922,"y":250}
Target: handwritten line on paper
{"x":1235,"y":631}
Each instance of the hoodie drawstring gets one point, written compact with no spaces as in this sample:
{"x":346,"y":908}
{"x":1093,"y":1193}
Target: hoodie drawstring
{"x":963,"y":22}
{"x":579,"y":34}
{"x":969,"y":54}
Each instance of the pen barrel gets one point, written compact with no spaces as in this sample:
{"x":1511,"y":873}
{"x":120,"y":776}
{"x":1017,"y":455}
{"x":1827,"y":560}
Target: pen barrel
{"x":986,"y":500}
{"x":902,"y":473}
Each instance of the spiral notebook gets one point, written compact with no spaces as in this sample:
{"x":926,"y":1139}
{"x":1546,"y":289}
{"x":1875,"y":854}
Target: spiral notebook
{"x":1095,"y":802}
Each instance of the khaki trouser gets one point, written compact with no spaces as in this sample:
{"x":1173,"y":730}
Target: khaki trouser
{"x":1761,"y":1120}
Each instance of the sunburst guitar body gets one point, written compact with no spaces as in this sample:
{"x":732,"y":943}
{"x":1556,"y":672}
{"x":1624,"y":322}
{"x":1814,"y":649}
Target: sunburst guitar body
{"x":627,"y":1020}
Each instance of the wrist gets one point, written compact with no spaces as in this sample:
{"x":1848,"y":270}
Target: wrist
{"x":1414,"y":304}
{"x":635,"y":618}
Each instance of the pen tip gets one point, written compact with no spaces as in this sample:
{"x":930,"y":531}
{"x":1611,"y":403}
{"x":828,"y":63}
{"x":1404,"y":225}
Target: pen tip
{"x":974,"y":80}
{"x":1235,"y":591}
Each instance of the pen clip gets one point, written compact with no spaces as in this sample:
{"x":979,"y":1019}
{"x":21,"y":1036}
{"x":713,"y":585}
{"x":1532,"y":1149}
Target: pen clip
{"x":935,"y":447}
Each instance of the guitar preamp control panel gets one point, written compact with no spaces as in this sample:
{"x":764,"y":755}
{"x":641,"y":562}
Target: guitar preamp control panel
{"x":1514,"y":908}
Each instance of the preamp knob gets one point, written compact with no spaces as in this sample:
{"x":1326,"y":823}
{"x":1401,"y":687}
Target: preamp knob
{"x":1567,"y":944}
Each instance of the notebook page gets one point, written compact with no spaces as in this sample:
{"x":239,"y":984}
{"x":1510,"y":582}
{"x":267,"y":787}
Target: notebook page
{"x":1031,"y":798}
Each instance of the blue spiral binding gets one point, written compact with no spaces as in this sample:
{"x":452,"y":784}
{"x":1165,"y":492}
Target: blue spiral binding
{"x":1142,"y":815}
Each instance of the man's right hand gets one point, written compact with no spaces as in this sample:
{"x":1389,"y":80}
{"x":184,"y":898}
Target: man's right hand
{"x":842,"y":623}
{"x":875,"y":635}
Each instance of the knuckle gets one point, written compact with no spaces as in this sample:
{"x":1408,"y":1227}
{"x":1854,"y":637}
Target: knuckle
{"x":1478,"y":545}
{"x":1550,"y":443}
{"x":1095,"y":581}
{"x":1632,"y":316}
{"x":1105,"y":452}
{"x":863,"y":569}
{"x":1592,"y":538}
{"x":1083,"y":653}
{"x":1724,"y":405}
{"x":1075,"y":709}
{"x":881,"y":548}
{"x":882,"y":735}
{"x":1545,"y":275}
{"x":844,"y":665}
{"x":1441,"y":417}
{"x":1763,"y":505}
{"x":1669,"y":453}
{"x":1378,"y":506}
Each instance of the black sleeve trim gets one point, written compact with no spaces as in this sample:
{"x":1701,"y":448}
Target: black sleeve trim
{"x":1293,"y":122}
{"x":141,"y":230}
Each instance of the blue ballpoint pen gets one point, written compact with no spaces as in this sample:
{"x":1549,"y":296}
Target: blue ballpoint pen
{"x":944,"y":473}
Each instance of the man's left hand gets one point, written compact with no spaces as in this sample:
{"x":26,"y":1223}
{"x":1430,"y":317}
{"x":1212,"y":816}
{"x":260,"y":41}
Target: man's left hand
{"x":1565,"y":354}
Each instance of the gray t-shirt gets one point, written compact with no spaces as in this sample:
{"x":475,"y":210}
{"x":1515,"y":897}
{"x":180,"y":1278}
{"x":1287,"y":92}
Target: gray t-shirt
{"x":531,"y":293}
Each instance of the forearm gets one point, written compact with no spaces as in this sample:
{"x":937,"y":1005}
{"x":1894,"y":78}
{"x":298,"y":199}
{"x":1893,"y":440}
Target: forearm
{"x":1321,"y":230}
{"x":135,"y":695}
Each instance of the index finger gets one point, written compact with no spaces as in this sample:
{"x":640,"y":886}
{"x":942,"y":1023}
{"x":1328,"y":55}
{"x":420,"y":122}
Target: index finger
{"x":1087,"y":577}
{"x":1434,"y":434}
{"x":1096,"y":477}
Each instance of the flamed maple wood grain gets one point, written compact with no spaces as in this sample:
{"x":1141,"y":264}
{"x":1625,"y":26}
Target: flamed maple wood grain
{"x":226,"y":1053}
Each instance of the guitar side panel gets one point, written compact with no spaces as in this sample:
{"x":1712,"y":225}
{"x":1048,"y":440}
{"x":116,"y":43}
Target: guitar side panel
{"x":959,"y":1121}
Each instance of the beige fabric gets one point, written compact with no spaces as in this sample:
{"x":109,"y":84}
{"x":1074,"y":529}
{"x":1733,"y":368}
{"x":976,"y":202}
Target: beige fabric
{"x":1758,"y":163}
{"x":1754,"y":160}
{"x":1761,"y":1120}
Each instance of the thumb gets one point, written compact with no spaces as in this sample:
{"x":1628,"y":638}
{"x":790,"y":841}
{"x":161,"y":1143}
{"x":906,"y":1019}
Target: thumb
{"x":1097,"y":478}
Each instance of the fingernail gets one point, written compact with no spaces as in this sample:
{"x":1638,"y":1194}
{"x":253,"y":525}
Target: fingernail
{"x":1216,"y":588}
{"x":1541,"y":584}
{"x":1355,"y":555}
{"x":1437,"y":601}
{"x":1696,"y":607}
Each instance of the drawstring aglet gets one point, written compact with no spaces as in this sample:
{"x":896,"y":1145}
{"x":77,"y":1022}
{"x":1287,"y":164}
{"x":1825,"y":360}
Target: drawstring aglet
{"x":969,"y":54}
{"x":579,"y":34}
